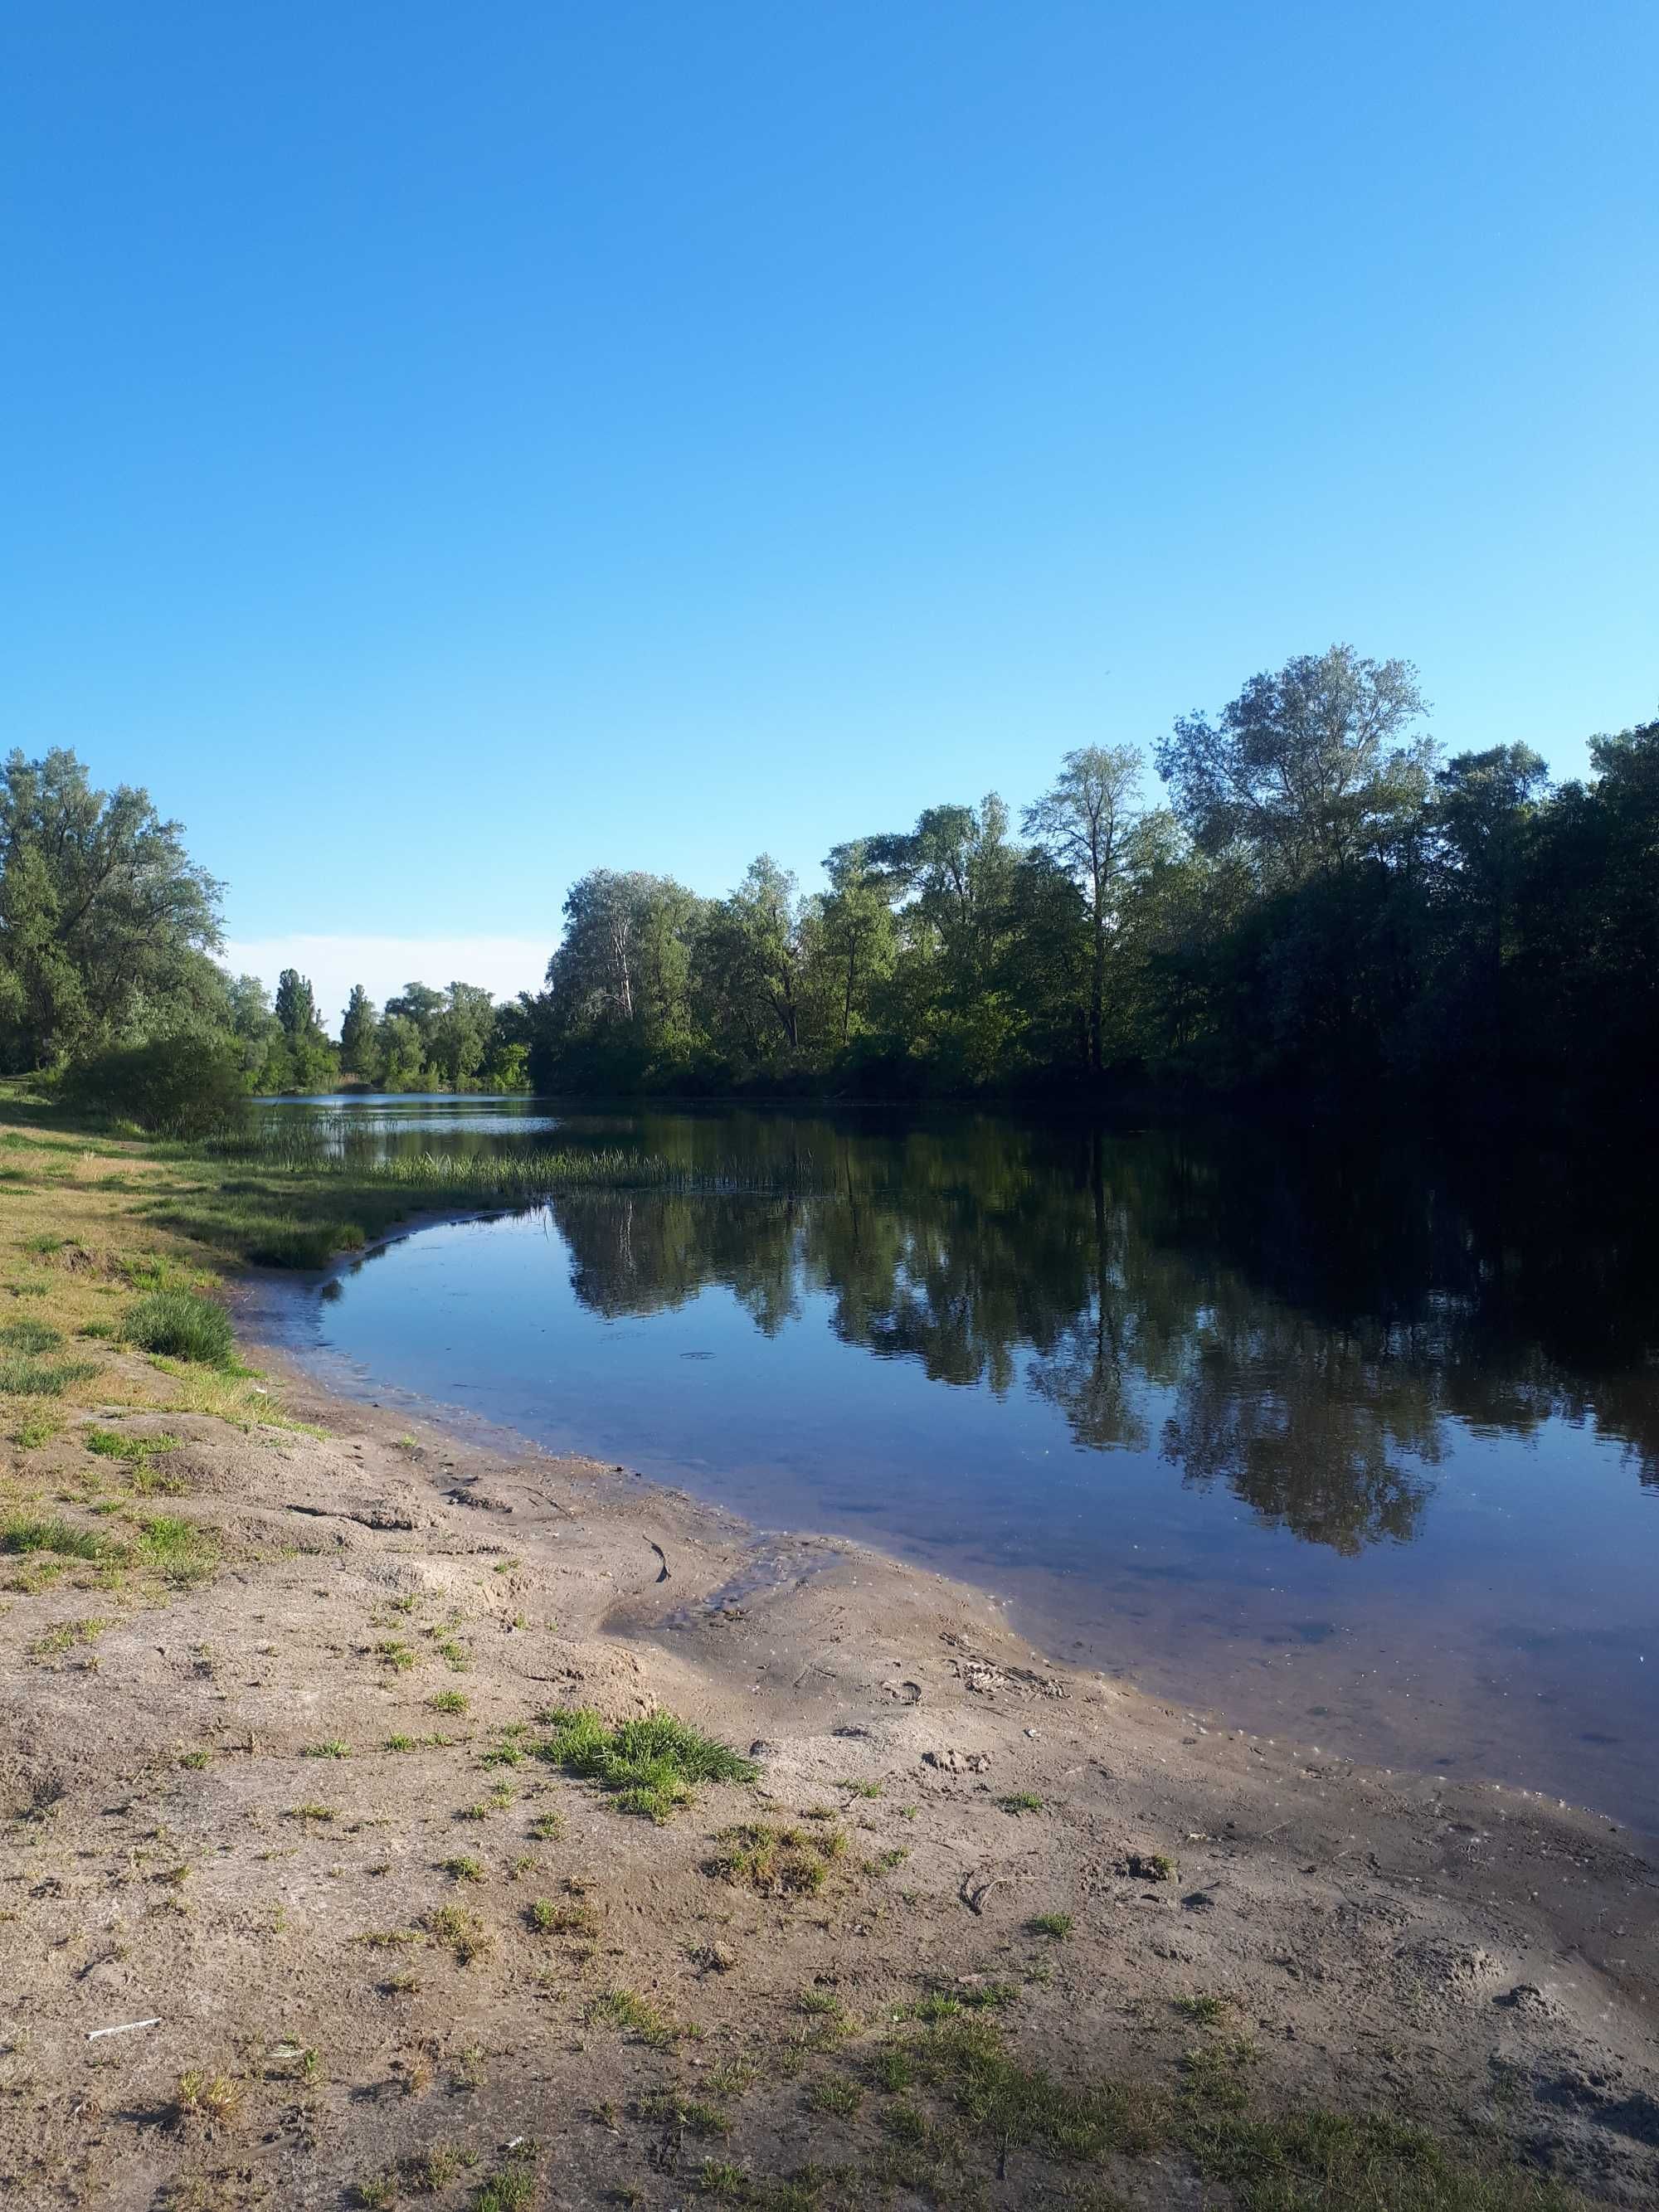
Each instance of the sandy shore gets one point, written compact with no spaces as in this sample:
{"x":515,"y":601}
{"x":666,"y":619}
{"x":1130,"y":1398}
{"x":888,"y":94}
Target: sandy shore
{"x":375,"y":1972}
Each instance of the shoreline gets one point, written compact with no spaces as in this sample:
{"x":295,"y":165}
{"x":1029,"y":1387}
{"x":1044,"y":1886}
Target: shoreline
{"x":1033,"y":1605}
{"x":1002,"y":1932}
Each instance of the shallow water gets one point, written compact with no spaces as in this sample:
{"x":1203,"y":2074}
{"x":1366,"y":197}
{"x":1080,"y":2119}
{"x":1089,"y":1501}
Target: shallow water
{"x":1359,"y":1450}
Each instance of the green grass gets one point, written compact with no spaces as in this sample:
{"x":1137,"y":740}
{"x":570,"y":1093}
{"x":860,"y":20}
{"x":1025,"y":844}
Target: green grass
{"x":777,"y":1862}
{"x":178,"y":1550}
{"x":25,"y":1532}
{"x":1318,"y":2161}
{"x":31,"y":1336}
{"x":1021,"y":1801}
{"x":1057,"y":1924}
{"x":449,"y":1701}
{"x":636,"y":2016}
{"x":180,"y":1324}
{"x":110,"y":1444}
{"x":651,"y":1766}
{"x":24,"y":1377}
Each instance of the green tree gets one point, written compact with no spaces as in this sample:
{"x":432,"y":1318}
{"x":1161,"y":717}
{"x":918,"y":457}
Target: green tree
{"x":1085,"y":820}
{"x":359,"y":1049}
{"x":296,"y":1006}
{"x":1308,"y":770}
{"x":460,"y":1033}
{"x":106,"y":924}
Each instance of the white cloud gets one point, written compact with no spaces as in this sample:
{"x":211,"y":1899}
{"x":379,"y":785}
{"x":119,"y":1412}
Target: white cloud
{"x":505,"y":965}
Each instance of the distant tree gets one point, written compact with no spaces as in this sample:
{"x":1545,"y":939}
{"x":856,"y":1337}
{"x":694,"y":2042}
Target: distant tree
{"x":1484,"y":806}
{"x":1085,"y":820}
{"x":460,"y":1033}
{"x":106,"y":923}
{"x":296,"y":1006}
{"x":420,"y":1003}
{"x":1308,"y":770}
{"x":403,"y":1052}
{"x":857,"y":935}
{"x":359,"y":1055}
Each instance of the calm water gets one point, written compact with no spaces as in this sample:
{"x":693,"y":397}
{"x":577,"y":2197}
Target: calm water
{"x":1360,"y":1450}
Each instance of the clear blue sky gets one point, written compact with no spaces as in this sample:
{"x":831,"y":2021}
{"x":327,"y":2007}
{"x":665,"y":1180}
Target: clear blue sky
{"x":449,"y":448}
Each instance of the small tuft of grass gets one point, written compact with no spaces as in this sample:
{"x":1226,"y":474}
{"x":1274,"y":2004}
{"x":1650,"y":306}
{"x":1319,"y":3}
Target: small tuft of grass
{"x":650,"y":1766}
{"x":449,"y":1701}
{"x":1149,"y":1866}
{"x":31,"y":1336}
{"x":403,"y":1743}
{"x":201,"y":2096}
{"x":180,"y":1324}
{"x":1020,"y":1801}
{"x":112,"y":1443}
{"x":399,"y":1656}
{"x":333,"y":1748}
{"x":460,"y":1932}
{"x":464,"y":1870}
{"x":860,"y":1789}
{"x":777,"y":1862}
{"x":512,"y":2187}
{"x":1201,"y":2006}
{"x":1059,"y":1925}
{"x":318,"y":1814}
{"x":636,"y":2016}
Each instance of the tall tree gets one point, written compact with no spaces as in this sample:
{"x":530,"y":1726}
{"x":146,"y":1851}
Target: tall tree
{"x":1308,"y":770}
{"x":358,"y":1054}
{"x":296,"y":1006}
{"x":1085,"y":820}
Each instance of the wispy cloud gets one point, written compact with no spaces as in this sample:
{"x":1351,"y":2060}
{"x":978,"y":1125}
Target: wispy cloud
{"x":505,"y":965}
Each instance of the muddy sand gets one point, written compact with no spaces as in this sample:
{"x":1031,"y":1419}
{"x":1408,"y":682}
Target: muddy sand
{"x":292,"y":1817}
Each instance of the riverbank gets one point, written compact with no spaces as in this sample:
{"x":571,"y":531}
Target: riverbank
{"x":980,"y":1929}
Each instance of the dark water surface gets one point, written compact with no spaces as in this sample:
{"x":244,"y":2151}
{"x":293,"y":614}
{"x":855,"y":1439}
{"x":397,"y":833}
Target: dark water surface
{"x":1359,"y":1450}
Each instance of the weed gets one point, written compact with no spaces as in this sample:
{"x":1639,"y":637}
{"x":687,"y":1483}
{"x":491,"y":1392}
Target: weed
{"x":319,"y":1813}
{"x":835,"y":2095}
{"x":449,"y":1701}
{"x":36,"y":1429}
{"x":464,"y":1870}
{"x":1021,"y":1801}
{"x":547,"y":1827}
{"x":651,"y":1765}
{"x":196,"y":1759}
{"x":377,"y":2194}
{"x":403,"y":1743}
{"x":860,"y":1788}
{"x":511,"y":2188}
{"x":66,"y":1637}
{"x":31,"y":1336}
{"x":400,"y":1657}
{"x":547,"y":1918}
{"x":333,"y":1748}
{"x":668,"y":2108}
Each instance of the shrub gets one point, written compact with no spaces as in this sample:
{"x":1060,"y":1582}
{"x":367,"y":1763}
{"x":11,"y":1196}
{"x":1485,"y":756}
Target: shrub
{"x":177,"y":1086}
{"x":182,"y":1326}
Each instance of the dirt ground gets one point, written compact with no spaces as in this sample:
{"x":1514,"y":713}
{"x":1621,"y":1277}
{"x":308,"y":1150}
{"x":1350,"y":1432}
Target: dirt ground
{"x":289,"y":1813}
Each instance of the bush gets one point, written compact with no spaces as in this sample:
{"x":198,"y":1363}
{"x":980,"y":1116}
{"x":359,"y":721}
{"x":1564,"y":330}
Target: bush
{"x":182,"y":1327}
{"x":177,"y":1086}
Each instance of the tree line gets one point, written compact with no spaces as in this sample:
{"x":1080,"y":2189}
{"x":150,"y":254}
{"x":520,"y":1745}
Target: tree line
{"x":1320,"y":900}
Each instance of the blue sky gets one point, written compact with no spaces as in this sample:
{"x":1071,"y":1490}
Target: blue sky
{"x":446,"y":448}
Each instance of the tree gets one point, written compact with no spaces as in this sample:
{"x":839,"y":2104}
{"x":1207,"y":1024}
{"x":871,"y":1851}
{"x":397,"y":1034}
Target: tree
{"x":296,"y":1006}
{"x":106,"y":924}
{"x":1484,"y":804}
{"x":418,"y":1003}
{"x":460,"y":1033}
{"x":359,"y":1054}
{"x":1306,"y":771}
{"x":751,"y":958}
{"x":856,"y":934}
{"x":1085,"y":820}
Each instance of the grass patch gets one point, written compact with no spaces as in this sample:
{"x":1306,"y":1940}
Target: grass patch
{"x":1021,"y":1801}
{"x":638,"y":2017}
{"x":23,"y":1377}
{"x":25,"y":1532}
{"x":31,"y":1336}
{"x":449,"y":1701}
{"x":111,"y":1443}
{"x":1321,"y":2161}
{"x":463,"y":1934}
{"x":1059,"y":1925}
{"x":180,"y":1325}
{"x":333,"y":1748}
{"x":651,"y":1766}
{"x":182,"y":1553}
{"x":777,"y":1862}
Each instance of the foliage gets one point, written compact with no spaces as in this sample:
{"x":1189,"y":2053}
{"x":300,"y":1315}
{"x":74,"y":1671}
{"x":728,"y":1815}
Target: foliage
{"x":105,"y":922}
{"x":188,"y":1086}
{"x":651,"y":1764}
